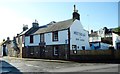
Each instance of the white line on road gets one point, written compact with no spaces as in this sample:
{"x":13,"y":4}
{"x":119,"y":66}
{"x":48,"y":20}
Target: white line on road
{"x":36,"y":66}
{"x":31,"y":65}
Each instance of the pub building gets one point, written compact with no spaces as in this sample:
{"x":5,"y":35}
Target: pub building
{"x":57,"y":40}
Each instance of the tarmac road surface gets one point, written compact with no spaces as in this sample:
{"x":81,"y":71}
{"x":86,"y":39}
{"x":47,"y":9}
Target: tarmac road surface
{"x":8,"y":64}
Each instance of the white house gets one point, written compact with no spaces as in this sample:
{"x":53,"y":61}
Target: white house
{"x":116,"y":40}
{"x":58,"y":40}
{"x":101,"y":39}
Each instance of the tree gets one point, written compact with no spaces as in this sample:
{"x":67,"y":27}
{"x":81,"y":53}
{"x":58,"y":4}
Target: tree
{"x":117,"y":30}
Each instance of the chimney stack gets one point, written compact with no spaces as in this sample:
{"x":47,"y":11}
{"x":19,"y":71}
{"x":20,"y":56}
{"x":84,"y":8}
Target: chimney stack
{"x":25,"y":27}
{"x":76,"y":15}
{"x":35,"y":24}
{"x":91,"y":31}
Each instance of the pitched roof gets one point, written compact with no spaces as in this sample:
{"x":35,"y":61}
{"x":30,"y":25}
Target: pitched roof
{"x":5,"y":42}
{"x":31,"y":31}
{"x":93,"y":34}
{"x":23,"y":32}
{"x":55,"y":27}
{"x":2,"y":43}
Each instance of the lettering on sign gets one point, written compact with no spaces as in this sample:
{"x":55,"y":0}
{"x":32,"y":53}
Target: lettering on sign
{"x":81,"y":39}
{"x":78,"y":33}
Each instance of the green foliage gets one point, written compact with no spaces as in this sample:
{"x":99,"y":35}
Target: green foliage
{"x":117,"y":29}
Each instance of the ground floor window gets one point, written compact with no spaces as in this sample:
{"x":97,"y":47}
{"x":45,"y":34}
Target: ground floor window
{"x":74,"y":48}
{"x":83,"y":47}
{"x":55,"y":50}
{"x":118,"y":45}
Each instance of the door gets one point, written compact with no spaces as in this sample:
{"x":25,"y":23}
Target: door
{"x":42,"y":51}
{"x":56,"y":52}
{"x":4,"y":50}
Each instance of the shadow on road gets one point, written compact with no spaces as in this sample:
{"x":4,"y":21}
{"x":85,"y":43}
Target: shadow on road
{"x":6,"y":68}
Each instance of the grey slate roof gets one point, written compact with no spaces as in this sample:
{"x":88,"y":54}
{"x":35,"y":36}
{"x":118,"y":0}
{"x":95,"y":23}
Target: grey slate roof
{"x":93,"y":34}
{"x":23,"y":32}
{"x":55,"y":27}
{"x":31,"y":31}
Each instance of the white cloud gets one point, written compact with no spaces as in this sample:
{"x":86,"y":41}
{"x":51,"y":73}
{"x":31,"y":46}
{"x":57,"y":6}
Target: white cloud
{"x":11,"y":23}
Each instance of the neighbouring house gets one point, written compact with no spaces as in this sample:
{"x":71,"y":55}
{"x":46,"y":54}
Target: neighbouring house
{"x":19,"y":40}
{"x":6,"y":47}
{"x":3,"y":49}
{"x":116,"y":40}
{"x":101,"y":39}
{"x":14,"y":47}
{"x":105,"y":32}
{"x":34,"y":28}
{"x":57,"y":40}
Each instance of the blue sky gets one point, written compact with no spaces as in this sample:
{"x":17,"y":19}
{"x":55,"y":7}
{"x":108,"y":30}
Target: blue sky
{"x":93,"y":15}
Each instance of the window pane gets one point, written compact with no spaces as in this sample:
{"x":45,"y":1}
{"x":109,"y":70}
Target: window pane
{"x":55,"y":36}
{"x":74,"y":47}
{"x":41,"y":37}
{"x":55,"y":50}
{"x":31,"y":39}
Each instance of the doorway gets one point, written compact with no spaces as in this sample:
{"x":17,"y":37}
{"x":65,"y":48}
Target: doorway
{"x":42,"y":51}
{"x":4,"y":50}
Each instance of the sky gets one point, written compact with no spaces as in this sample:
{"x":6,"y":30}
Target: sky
{"x":93,"y":15}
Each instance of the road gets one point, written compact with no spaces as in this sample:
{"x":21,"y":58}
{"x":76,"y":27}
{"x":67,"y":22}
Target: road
{"x":109,"y":69}
{"x":42,"y":65}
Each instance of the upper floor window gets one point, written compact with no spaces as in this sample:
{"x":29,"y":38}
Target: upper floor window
{"x":31,"y":38}
{"x":42,"y":37}
{"x":55,"y":36}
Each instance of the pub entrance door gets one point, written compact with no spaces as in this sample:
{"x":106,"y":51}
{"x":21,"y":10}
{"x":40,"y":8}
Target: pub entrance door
{"x":42,"y":51}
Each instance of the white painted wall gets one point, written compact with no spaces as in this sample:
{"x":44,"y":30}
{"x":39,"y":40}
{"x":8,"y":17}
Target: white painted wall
{"x":116,"y":39}
{"x":36,"y":41}
{"x":94,"y":39}
{"x":81,"y":40}
{"x":62,"y":36}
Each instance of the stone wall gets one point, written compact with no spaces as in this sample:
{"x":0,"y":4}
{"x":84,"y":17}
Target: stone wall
{"x":44,"y":52}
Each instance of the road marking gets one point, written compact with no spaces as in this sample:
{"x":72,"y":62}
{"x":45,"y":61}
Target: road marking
{"x":31,"y":65}
{"x":36,"y":66}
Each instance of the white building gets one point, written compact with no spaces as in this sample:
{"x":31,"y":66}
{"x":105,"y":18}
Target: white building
{"x":59,"y":40}
{"x":101,"y":39}
{"x":116,"y":40}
